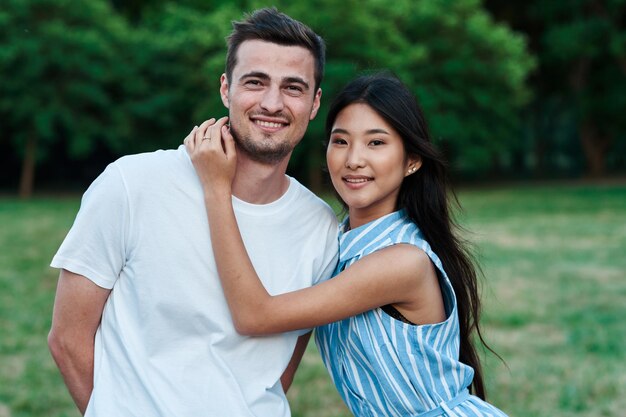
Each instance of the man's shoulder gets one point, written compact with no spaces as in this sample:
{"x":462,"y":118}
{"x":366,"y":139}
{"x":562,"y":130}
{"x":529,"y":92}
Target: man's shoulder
{"x":158,"y":169}
{"x":157,"y":157}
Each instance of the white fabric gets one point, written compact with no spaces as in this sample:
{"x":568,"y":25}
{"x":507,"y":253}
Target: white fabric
{"x":166,"y":345}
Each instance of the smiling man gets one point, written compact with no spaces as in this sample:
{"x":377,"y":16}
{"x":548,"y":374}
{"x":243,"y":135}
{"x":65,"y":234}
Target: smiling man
{"x":278,"y":103}
{"x":140,"y":324}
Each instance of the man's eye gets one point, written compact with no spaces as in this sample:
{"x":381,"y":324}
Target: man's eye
{"x":294,"y":90}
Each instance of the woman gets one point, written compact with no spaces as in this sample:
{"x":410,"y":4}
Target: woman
{"x":395,"y":327}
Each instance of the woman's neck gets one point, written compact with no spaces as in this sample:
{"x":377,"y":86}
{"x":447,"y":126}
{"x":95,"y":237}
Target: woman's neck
{"x":357,"y":218}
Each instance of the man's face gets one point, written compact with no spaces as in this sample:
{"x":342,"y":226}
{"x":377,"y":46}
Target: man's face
{"x":271,"y":99}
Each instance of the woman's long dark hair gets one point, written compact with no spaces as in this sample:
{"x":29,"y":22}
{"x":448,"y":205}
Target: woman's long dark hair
{"x":426,"y":196}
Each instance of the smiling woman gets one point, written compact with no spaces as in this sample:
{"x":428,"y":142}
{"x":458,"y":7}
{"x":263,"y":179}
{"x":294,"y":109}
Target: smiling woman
{"x":367,"y":163}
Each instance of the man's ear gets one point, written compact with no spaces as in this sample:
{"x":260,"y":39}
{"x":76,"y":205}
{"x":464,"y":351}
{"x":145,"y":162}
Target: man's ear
{"x":224,"y":90}
{"x":316,"y":103}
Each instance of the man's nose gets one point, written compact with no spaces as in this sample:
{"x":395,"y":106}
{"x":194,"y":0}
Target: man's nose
{"x":272,"y":100}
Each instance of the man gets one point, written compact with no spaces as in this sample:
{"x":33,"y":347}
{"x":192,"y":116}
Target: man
{"x":140,"y":325}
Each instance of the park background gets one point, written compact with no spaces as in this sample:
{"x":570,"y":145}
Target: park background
{"x":525,"y":98}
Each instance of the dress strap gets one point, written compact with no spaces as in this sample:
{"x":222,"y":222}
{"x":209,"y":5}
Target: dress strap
{"x":445,"y":407}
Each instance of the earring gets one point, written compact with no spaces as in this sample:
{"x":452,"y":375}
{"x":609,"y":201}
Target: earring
{"x":411,"y":170}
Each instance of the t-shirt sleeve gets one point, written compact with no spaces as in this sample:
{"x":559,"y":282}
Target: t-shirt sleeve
{"x":331,"y":252}
{"x":95,"y":246}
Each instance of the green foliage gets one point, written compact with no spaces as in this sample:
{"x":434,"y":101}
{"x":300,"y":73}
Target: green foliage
{"x":467,"y":71}
{"x":586,"y":40}
{"x":581,"y":46}
{"x":177,"y":61}
{"x":80,"y":79}
{"x":62,"y":73}
{"x":84,"y":78}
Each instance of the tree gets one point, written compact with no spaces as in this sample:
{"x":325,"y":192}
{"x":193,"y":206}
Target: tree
{"x":467,"y":71}
{"x":82,"y":78}
{"x":62,"y":71}
{"x":191,"y":59}
{"x":581,"y":78}
{"x":585,"y":42}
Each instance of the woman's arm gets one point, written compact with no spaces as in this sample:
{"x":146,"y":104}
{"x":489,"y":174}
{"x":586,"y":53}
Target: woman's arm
{"x":388,"y":276}
{"x":366,"y":284}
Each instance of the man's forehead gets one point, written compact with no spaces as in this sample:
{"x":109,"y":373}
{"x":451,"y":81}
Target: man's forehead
{"x":274,"y":60}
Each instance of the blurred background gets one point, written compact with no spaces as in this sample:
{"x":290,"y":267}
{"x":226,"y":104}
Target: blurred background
{"x":525,"y":98}
{"x":511,"y":90}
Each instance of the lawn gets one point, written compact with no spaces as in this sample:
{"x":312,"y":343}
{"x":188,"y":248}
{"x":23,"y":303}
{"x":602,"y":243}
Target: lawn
{"x":554,"y":294}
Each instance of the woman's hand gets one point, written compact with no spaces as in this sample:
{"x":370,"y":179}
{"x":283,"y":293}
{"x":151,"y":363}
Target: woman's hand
{"x":212,"y":151}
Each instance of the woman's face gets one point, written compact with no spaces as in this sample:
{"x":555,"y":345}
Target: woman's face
{"x":367,"y":163}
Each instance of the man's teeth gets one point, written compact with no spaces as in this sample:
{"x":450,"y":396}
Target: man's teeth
{"x":268,"y":124}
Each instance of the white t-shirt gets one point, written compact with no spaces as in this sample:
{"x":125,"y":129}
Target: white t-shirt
{"x":166,"y":345}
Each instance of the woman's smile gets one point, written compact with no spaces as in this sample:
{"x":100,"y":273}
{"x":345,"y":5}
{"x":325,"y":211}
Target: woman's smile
{"x":366,"y":161}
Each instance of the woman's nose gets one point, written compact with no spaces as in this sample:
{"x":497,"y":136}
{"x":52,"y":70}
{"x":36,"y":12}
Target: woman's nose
{"x":354,"y":158}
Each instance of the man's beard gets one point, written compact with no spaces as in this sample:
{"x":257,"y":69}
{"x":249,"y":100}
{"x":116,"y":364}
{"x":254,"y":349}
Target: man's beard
{"x":265,"y":152}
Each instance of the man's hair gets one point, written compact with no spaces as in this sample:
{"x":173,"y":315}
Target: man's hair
{"x":270,"y":25}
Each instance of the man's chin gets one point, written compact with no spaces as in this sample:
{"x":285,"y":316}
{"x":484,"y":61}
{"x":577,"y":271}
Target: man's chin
{"x":264,"y":156}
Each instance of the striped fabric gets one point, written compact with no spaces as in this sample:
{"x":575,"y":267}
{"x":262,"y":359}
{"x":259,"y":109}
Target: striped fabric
{"x":384,"y":367}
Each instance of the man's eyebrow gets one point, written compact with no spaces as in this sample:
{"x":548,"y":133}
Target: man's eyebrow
{"x":255,"y":74}
{"x":297,"y":80}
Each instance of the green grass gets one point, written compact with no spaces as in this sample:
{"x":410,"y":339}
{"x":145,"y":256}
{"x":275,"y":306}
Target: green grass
{"x":555,"y":297}
{"x":30,"y":384}
{"x":554,"y":260}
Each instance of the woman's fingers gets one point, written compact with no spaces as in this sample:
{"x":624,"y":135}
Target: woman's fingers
{"x":202,"y":131}
{"x":229,"y":142}
{"x":213,"y":155}
{"x":189,"y":140}
{"x":213,"y":134}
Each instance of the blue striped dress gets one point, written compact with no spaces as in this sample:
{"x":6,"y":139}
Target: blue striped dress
{"x":385,"y":367}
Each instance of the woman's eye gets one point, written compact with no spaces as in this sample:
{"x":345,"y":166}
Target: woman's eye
{"x":338,"y":141}
{"x":377,"y":142}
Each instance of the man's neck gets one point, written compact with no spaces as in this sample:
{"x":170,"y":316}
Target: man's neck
{"x":258,"y":183}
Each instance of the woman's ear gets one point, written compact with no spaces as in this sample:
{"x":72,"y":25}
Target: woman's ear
{"x":413,"y":164}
